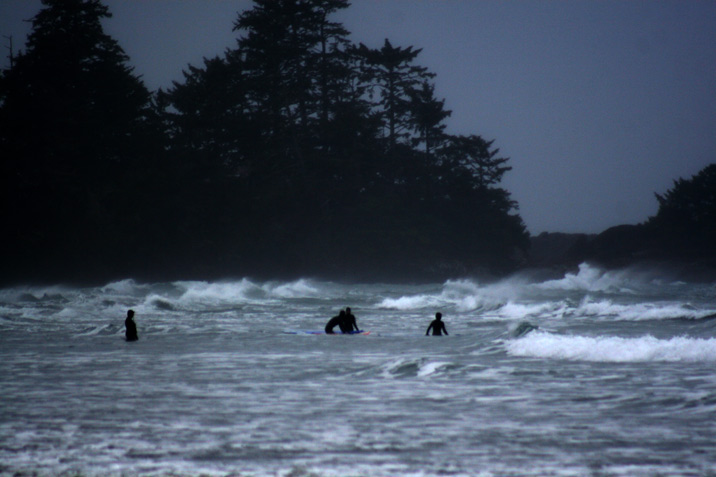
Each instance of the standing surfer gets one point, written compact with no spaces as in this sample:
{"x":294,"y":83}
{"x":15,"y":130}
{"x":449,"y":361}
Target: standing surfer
{"x":437,"y":325}
{"x":131,"y":327}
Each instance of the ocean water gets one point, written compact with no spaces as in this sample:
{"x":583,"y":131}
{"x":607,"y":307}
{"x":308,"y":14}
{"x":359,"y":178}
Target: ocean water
{"x":617,"y":379}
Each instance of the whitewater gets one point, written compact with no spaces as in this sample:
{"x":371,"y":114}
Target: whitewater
{"x":596,"y":373}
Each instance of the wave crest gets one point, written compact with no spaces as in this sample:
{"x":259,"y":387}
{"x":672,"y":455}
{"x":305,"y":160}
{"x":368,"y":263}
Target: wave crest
{"x":612,"y":349}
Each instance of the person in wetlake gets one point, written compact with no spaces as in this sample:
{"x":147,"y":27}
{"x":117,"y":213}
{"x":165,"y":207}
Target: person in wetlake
{"x":131,"y":327}
{"x":437,"y":326}
{"x":350,"y":323}
{"x":339,"y":321}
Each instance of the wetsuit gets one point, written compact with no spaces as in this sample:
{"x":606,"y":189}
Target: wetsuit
{"x":335,"y":321}
{"x":438,"y":328}
{"x":131,"y":326}
{"x":350,"y":324}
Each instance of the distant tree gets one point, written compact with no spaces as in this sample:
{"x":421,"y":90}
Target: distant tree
{"x":473,"y":155}
{"x":292,"y":58}
{"x":683,"y":229}
{"x":76,"y":125}
{"x":70,"y":100}
{"x":480,"y":216}
{"x":291,"y":53}
{"x":687,"y":213}
{"x":274,"y":113}
{"x":391,"y":74}
{"x":294,"y":152}
{"x":337,"y":153}
{"x":207,"y":116}
{"x":428,"y":115}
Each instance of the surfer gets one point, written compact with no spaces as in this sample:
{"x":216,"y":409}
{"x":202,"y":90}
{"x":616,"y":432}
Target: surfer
{"x":339,"y":321}
{"x":350,"y":323}
{"x":437,"y":325}
{"x":131,"y":326}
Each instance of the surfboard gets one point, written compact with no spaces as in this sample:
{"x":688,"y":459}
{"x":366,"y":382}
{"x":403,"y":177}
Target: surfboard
{"x":309,"y":332}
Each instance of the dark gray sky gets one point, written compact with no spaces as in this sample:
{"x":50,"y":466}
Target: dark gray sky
{"x":597,"y":103}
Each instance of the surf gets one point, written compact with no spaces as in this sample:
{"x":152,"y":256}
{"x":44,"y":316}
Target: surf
{"x":613,"y":349}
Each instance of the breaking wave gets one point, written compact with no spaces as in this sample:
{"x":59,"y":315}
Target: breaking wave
{"x":589,"y":293}
{"x":540,"y":344}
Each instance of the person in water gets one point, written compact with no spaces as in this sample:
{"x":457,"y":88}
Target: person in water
{"x":131,"y":327}
{"x":350,"y":323}
{"x":437,"y":325}
{"x":338,"y":321}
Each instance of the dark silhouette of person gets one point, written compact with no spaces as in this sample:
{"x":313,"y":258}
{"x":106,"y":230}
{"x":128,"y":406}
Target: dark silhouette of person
{"x":131,"y":326}
{"x":350,"y":323}
{"x":437,"y":325}
{"x":338,"y":321}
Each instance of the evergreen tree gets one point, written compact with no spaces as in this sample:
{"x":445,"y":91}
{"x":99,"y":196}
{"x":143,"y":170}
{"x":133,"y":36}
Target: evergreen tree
{"x":292,"y":54}
{"x":296,"y":112}
{"x":473,"y":155}
{"x":75,"y":125}
{"x":71,"y":89}
{"x":393,"y":76}
{"x":295,"y":152}
{"x":207,"y":116}
{"x":686,"y":219}
{"x":479,"y":216}
{"x":428,"y":115}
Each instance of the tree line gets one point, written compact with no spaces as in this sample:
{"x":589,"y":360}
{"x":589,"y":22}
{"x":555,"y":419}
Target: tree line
{"x":296,"y":152}
{"x":683,"y":229}
{"x":680,"y":238}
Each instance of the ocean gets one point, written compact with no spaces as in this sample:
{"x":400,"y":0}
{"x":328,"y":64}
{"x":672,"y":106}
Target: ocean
{"x":596,"y":373}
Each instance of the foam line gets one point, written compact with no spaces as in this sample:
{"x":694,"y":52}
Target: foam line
{"x":612,"y":348}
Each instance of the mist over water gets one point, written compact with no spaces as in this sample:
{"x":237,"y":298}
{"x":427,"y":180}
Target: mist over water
{"x":595,"y":373}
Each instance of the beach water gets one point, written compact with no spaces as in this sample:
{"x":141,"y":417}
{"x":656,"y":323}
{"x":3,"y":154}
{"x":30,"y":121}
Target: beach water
{"x":596,"y":373}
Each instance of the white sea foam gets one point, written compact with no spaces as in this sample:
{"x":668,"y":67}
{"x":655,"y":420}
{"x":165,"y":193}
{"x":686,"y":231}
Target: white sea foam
{"x":593,"y":279}
{"x":515,"y":311}
{"x":639,"y":311}
{"x":580,"y":294}
{"x":220,"y":292}
{"x":29,"y":294}
{"x":599,"y":309}
{"x":431,"y":368}
{"x":462,"y":295}
{"x":410,"y":302}
{"x":612,"y":348}
{"x":298,"y":289}
{"x":159,"y":302}
{"x":124,"y":287}
{"x":467,"y":295}
{"x":246,"y":290}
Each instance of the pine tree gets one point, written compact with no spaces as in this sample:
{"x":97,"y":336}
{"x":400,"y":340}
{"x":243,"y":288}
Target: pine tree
{"x":75,"y":126}
{"x":474,"y":155}
{"x":296,"y":112}
{"x":395,"y":79}
{"x":70,"y":100}
{"x":686,"y":219}
{"x":291,"y":53}
{"x":428,"y":114}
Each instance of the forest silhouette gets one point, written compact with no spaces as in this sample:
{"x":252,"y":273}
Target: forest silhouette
{"x":298,"y":152}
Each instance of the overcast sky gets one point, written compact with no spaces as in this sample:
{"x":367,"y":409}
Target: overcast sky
{"x":598,"y":104}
